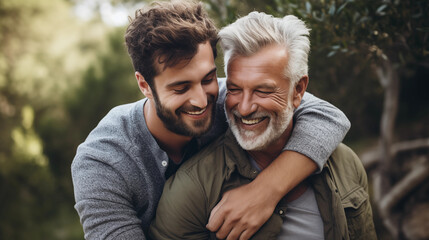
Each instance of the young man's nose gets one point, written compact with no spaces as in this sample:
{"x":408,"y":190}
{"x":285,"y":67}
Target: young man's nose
{"x":198,"y":97}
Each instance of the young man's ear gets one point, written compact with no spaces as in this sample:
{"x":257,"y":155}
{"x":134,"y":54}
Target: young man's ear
{"x":143,"y":85}
{"x":299,"y":90}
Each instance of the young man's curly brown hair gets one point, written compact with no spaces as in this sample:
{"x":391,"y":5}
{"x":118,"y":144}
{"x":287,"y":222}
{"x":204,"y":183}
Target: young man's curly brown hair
{"x":166,"y":34}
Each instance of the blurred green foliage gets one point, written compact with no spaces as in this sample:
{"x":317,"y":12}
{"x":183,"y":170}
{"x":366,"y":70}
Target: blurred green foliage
{"x":60,"y":75}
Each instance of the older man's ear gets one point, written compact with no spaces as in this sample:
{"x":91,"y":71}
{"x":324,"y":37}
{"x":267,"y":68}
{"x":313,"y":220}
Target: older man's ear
{"x":299,"y":91}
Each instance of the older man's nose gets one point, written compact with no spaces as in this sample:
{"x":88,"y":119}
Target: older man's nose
{"x":246,"y":106}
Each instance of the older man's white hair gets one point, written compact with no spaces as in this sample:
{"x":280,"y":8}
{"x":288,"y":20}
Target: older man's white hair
{"x":249,"y":34}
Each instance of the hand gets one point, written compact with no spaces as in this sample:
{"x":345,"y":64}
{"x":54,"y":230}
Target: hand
{"x":241,"y":212}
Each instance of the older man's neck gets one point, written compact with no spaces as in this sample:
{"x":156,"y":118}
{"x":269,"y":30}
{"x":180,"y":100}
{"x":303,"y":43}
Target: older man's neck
{"x":264,"y":157}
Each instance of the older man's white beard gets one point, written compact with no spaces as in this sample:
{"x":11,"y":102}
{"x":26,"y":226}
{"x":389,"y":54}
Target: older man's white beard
{"x":252,"y":141}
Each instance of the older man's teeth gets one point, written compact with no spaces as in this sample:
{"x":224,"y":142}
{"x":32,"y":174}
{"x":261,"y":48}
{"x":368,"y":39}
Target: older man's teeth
{"x":251,"y":121}
{"x":197,"y":112}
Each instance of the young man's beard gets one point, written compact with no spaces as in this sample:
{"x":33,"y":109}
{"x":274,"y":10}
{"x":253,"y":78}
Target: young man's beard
{"x":173,"y":120}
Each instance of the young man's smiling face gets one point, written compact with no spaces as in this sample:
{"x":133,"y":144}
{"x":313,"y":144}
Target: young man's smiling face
{"x":185,"y":95}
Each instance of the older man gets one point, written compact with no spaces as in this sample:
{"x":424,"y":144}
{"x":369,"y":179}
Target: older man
{"x":266,"y":66}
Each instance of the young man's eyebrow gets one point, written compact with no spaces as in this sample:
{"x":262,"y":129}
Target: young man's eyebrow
{"x":210,"y":73}
{"x":178,"y":83}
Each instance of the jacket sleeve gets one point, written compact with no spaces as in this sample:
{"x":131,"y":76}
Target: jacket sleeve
{"x":319,"y":128}
{"x":103,"y":201}
{"x":363,"y":226}
{"x":351,"y":180}
{"x":182,"y":210}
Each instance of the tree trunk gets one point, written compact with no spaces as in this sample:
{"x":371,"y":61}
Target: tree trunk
{"x":389,"y":79}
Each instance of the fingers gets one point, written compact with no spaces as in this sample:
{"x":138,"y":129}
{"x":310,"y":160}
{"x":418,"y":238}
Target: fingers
{"x":216,"y":218}
{"x":224,"y":231}
{"x":232,"y":218}
{"x":232,"y":225}
{"x":219,"y":223}
{"x":241,"y":231}
{"x":247,"y":234}
{"x":235,"y":233}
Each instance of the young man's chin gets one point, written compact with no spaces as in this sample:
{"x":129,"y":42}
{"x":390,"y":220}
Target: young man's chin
{"x":200,"y":128}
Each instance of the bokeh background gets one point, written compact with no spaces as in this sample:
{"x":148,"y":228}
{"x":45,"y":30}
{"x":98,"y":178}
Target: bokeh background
{"x":64,"y":65}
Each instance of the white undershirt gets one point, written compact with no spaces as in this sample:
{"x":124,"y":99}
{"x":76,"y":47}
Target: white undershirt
{"x":302,"y":219}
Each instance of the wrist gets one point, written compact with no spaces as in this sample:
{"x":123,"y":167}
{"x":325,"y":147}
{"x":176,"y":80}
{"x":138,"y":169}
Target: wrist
{"x":267,"y":185}
{"x":284,"y":174}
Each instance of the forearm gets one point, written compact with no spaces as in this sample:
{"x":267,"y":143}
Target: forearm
{"x":319,"y":128}
{"x":109,"y":220}
{"x":102,"y":202}
{"x":283,"y":174}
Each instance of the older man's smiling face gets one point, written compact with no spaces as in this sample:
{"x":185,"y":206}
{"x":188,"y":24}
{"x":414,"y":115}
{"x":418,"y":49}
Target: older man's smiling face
{"x":259,"y":102}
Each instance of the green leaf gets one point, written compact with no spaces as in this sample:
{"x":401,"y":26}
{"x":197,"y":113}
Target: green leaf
{"x":308,"y":7}
{"x":341,"y":7}
{"x":331,"y":53}
{"x":321,"y":18}
{"x":356,"y":16}
{"x":380,"y":9}
{"x":363,"y":19}
{"x":332,"y":9}
{"x":423,"y":29}
{"x":335,"y":47}
{"x":418,"y":14}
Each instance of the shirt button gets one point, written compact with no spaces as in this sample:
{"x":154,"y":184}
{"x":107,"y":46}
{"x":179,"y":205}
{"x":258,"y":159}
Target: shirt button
{"x":281,"y":212}
{"x":164,"y":163}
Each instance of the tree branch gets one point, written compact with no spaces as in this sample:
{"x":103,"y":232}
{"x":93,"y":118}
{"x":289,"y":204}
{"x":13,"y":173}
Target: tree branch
{"x":399,"y":191}
{"x":371,"y":158}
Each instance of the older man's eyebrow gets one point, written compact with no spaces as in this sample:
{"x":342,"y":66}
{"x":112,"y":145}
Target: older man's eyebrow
{"x":230,"y":84}
{"x":266,"y":86}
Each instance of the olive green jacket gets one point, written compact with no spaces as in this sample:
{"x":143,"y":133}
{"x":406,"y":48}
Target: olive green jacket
{"x":189,"y":196}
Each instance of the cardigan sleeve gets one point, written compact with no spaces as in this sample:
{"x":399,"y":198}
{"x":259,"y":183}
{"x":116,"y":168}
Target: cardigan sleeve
{"x":103,"y":202}
{"x":318,"y":129}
